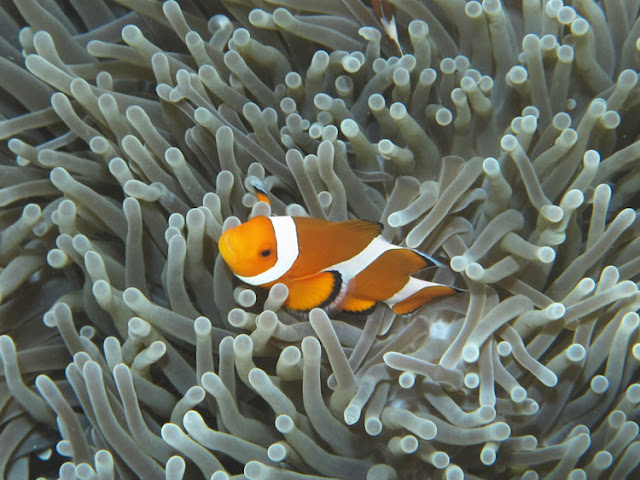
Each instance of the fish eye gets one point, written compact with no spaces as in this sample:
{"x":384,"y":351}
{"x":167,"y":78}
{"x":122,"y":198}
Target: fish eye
{"x":265,"y":253}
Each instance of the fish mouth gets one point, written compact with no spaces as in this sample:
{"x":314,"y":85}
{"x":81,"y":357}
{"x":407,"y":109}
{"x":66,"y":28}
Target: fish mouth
{"x":225,"y":247}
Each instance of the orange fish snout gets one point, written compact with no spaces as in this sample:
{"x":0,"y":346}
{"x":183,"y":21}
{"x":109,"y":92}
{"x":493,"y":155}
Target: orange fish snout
{"x":250,"y":248}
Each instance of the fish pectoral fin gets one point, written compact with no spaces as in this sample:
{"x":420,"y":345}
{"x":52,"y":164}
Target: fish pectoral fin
{"x":316,"y":291}
{"x":358,"y":305}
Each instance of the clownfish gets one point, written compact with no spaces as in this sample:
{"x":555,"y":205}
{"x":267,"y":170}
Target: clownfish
{"x":336,"y":266}
{"x":384,"y":11}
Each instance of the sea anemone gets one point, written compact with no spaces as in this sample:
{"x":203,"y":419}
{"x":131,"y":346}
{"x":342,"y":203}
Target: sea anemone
{"x":500,"y":138}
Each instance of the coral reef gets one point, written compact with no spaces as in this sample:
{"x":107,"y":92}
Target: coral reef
{"x":504,"y":141}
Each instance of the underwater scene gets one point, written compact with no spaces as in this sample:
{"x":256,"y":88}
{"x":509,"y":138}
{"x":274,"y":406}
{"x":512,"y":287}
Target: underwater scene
{"x":319,"y":239}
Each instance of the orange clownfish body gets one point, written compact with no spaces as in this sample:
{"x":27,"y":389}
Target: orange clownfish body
{"x":343,"y":266}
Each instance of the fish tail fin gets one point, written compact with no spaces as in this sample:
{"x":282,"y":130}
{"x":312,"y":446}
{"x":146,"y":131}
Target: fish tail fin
{"x":420,"y":293}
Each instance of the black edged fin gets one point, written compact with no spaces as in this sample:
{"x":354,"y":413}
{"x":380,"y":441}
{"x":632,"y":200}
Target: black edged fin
{"x":337,"y":287}
{"x":316,"y":291}
{"x":429,"y":260}
{"x":358,"y":306}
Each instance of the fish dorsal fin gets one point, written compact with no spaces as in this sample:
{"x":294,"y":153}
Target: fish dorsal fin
{"x":365,"y":227}
{"x":324,"y":243}
{"x":316,"y":291}
{"x":428,"y":259}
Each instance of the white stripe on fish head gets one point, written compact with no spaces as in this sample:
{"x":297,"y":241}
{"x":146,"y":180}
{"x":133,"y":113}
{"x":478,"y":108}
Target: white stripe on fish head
{"x":287,"y":251}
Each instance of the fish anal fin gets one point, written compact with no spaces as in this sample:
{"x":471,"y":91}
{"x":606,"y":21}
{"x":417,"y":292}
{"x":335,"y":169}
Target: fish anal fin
{"x":415,"y":301}
{"x":316,"y":291}
{"x":357,"y":305}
